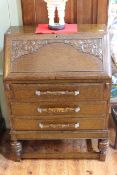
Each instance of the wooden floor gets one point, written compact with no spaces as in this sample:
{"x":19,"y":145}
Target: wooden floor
{"x":57,"y":167}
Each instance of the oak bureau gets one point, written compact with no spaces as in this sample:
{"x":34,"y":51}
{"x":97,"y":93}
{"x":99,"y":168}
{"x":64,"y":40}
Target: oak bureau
{"x":58,"y":87}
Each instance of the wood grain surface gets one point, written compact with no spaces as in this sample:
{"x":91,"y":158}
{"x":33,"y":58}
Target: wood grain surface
{"x":86,"y":108}
{"x":54,"y":92}
{"x":81,"y":11}
{"x":82,"y":57}
{"x":71,"y":63}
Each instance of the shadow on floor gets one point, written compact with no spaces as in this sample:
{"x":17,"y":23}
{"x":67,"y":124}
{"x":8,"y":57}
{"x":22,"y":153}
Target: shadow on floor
{"x":5,"y":148}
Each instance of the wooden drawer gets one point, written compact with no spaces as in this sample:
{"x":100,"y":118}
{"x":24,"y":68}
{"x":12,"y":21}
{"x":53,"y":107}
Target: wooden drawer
{"x":61,"y":124}
{"x":43,"y":108}
{"x":73,"y":91}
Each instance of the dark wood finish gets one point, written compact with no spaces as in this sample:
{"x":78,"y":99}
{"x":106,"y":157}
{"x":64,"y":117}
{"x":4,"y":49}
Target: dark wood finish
{"x":28,"y":7}
{"x":115,"y":145}
{"x":77,"y":11}
{"x":2,"y":122}
{"x":92,"y":155}
{"x":58,"y":87}
{"x":102,"y":11}
{"x":114,"y":118}
{"x":92,"y":12}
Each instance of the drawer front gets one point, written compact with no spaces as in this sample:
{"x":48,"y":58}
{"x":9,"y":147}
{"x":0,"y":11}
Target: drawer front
{"x":76,"y":108}
{"x":73,"y":91}
{"x":61,"y":124}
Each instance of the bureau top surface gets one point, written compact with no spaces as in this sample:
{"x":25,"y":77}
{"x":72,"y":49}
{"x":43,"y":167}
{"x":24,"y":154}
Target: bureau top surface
{"x":81,"y":55}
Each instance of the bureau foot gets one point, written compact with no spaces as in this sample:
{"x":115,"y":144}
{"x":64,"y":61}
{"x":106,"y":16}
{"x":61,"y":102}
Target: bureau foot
{"x":103,"y":146}
{"x":17,"y":149}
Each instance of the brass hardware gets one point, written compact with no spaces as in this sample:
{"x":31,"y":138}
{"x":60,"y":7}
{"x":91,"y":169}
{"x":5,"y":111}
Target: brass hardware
{"x":41,"y":125}
{"x":77,"y":109}
{"x":54,"y":126}
{"x":77,"y":125}
{"x":58,"y":110}
{"x":39,"y":93}
{"x":39,"y":110}
{"x":77,"y":93}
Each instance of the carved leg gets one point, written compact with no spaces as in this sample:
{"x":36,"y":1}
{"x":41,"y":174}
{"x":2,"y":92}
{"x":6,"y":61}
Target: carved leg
{"x":103,"y":146}
{"x":17,"y":149}
{"x":115,"y":146}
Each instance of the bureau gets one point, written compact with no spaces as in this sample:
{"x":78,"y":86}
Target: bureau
{"x":57,"y":86}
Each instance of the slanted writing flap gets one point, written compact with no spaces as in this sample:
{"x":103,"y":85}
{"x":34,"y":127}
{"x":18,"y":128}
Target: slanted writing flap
{"x":56,"y":57}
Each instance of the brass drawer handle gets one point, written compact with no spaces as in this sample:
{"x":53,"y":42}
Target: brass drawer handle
{"x":54,"y":126}
{"x":75,"y":93}
{"x":58,"y":110}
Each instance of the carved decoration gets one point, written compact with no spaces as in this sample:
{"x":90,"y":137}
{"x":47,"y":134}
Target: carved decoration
{"x":17,"y":148}
{"x":88,"y":46}
{"x":25,"y":47}
{"x":103,"y":147}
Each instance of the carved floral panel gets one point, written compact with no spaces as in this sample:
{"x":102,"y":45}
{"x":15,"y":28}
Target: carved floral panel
{"x":24,"y":47}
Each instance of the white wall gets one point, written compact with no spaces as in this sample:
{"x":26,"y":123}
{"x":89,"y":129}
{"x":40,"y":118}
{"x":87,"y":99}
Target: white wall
{"x":10,"y":15}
